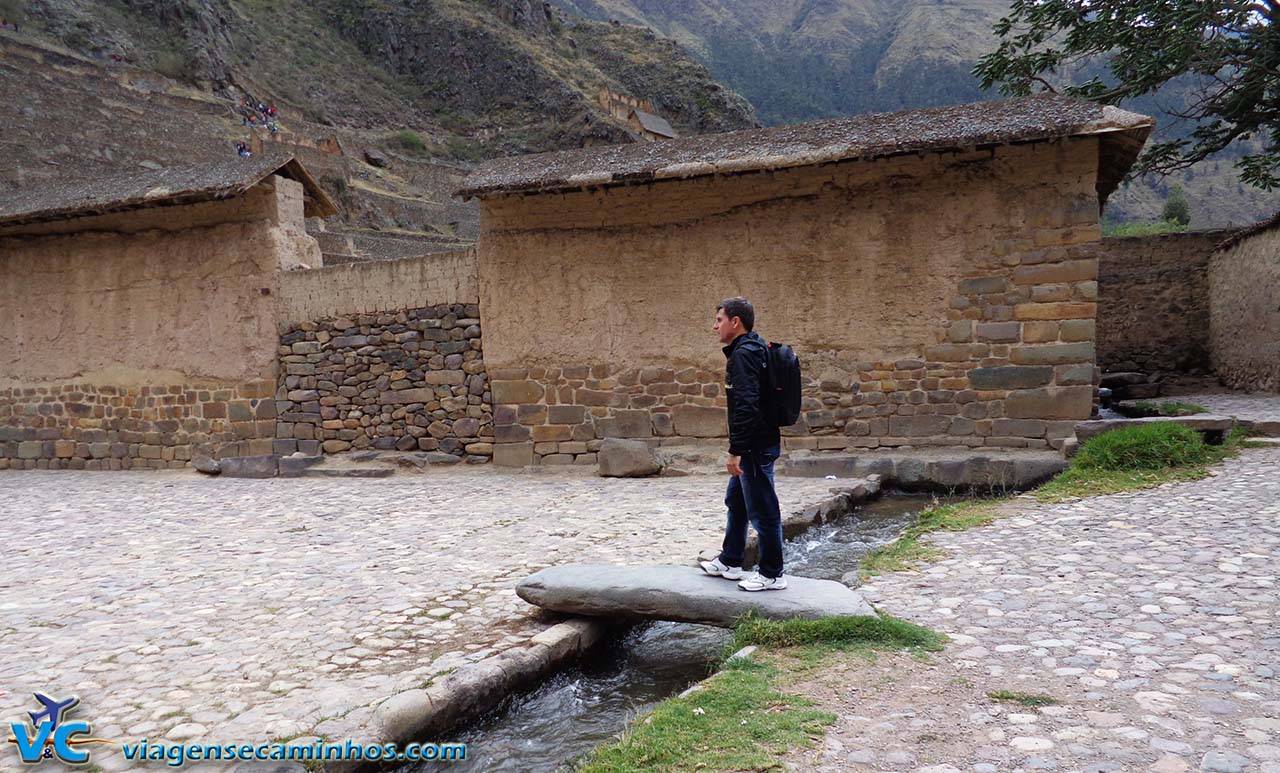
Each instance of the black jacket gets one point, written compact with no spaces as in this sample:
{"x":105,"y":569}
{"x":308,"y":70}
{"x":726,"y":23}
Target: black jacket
{"x":745,"y":387}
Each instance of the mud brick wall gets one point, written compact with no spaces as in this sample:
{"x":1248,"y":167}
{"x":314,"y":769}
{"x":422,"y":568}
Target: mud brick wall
{"x":1153,"y":302}
{"x":946,"y":299}
{"x":1244,"y":291}
{"x":104,"y":427}
{"x":412,"y":380}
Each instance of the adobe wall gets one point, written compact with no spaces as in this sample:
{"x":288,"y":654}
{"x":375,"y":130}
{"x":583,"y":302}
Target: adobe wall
{"x":1244,"y":322}
{"x":138,"y":339}
{"x":943,"y":299}
{"x":375,"y":286}
{"x":1153,"y":302}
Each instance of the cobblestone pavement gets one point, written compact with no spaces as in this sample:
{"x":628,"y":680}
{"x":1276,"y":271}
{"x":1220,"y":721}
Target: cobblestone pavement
{"x":188,"y":608}
{"x":1258,"y":406}
{"x":1153,"y":616}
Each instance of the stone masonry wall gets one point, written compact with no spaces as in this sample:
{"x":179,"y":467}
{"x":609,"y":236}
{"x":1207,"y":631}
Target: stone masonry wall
{"x":104,"y":427}
{"x":936,"y":300}
{"x":1244,"y":291}
{"x":1153,"y":302}
{"x":411,"y":380}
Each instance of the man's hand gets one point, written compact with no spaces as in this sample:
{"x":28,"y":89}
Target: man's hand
{"x":735,"y":465}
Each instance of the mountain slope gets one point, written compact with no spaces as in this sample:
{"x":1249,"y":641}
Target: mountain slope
{"x":798,"y":60}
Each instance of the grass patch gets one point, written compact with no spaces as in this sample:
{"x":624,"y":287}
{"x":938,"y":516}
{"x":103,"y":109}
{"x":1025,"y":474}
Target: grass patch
{"x":1134,"y":228}
{"x":1168,"y":408}
{"x":1139,"y":457}
{"x":738,"y":721}
{"x":409,"y":140}
{"x":1144,"y":447}
{"x":1022,"y":698}
{"x":884,"y":632}
{"x":908,"y":551}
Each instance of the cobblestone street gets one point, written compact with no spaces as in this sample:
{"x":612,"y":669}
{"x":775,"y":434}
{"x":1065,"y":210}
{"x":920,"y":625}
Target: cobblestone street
{"x":182,"y":607}
{"x":1151,"y":616}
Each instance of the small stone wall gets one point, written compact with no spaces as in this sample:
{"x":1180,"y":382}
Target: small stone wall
{"x":412,"y":379}
{"x":102,"y":427}
{"x":1153,"y":302}
{"x":1244,"y":288}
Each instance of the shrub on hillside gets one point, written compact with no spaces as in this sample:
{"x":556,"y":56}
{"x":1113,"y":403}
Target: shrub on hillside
{"x":409,"y":140}
{"x":1145,"y":447}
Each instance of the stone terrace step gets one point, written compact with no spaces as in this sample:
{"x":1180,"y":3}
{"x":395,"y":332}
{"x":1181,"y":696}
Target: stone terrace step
{"x":937,"y":469}
{"x":349,"y":472}
{"x":1213,"y":427}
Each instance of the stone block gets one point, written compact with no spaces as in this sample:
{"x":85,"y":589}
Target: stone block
{"x":566,"y":414}
{"x":1010,"y":377}
{"x":549,"y":432}
{"x":620,"y":458}
{"x":532,"y":414}
{"x":1074,"y":375}
{"x":516,"y":391}
{"x":64,"y":449}
{"x":700,"y":421}
{"x":513,"y":454}
{"x":662,"y":424}
{"x":1018,"y":427}
{"x":29,"y":449}
{"x":1052,"y":354}
{"x":998,"y":331}
{"x":1074,"y":402}
{"x":1063,"y":310}
{"x":445,"y":377}
{"x":1039,"y":332}
{"x":513,"y":433}
{"x":1047,"y":273}
{"x":467,"y":427}
{"x":625,"y":424}
{"x":983,"y":285}
{"x":557,"y":459}
{"x":257,"y":466}
{"x":407,"y":396}
{"x":335,"y":446}
{"x":1079,"y":330}
{"x":919,"y":426}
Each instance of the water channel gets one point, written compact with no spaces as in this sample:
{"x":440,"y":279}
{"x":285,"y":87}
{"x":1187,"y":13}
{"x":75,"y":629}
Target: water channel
{"x":593,"y":702}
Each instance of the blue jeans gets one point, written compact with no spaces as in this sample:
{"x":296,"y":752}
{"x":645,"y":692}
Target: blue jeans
{"x":751,"y":498}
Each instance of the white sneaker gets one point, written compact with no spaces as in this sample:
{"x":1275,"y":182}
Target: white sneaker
{"x":758,"y":582}
{"x":717,"y":569}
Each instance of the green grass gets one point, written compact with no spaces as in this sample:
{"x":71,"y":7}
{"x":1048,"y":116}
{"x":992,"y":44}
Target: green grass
{"x":1073,"y":483}
{"x":1169,"y":408}
{"x":884,"y":632}
{"x":1142,"y":229}
{"x":1155,"y":446}
{"x":1139,"y":457}
{"x":739,"y":720}
{"x":1022,"y":698}
{"x":908,"y":551}
{"x":409,"y":140}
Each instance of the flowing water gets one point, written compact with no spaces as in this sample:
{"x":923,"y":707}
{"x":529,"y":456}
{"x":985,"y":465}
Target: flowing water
{"x":591,"y":703}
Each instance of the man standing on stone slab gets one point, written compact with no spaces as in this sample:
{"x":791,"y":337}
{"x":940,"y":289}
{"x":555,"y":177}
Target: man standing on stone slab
{"x":754,"y":445}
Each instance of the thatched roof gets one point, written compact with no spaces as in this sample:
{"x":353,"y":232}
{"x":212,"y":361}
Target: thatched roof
{"x":1248,"y":231}
{"x":868,"y":136}
{"x":185,"y":184}
{"x":654,"y":123}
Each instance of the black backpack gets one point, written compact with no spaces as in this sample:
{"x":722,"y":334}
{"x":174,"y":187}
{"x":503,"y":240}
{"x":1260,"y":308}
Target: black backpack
{"x":782,"y":378}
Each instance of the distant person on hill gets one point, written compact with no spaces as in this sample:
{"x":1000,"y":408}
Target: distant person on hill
{"x":243,"y":150}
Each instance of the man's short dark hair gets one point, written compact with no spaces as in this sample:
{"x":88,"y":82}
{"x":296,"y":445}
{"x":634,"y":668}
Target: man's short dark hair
{"x":741,"y":308}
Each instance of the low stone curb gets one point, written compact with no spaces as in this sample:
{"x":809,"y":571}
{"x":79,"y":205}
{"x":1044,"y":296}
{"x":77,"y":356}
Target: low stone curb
{"x":475,"y":689}
{"x":973,"y":471}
